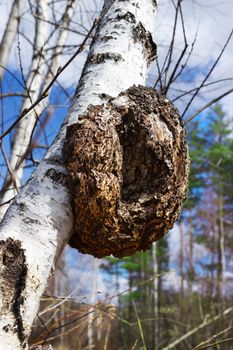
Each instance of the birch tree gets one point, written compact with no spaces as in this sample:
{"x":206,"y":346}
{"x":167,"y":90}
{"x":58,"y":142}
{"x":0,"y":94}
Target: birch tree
{"x":38,"y":223}
{"x":155,"y":294}
{"x":24,"y":129}
{"x":39,"y":76}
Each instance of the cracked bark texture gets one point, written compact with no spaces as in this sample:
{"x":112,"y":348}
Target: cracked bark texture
{"x":128,"y":169}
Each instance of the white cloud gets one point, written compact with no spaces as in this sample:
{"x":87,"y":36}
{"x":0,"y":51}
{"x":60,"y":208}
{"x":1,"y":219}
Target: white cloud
{"x":172,"y":281}
{"x":200,"y":252}
{"x":214,"y":23}
{"x":213,"y":20}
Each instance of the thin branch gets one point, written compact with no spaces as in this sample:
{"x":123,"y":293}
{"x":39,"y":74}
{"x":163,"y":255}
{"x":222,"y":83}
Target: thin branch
{"x":7,"y":202}
{"x":171,"y":78}
{"x":12,"y":74}
{"x":60,"y":26}
{"x":168,"y":58}
{"x":216,"y":99}
{"x":139,"y":326}
{"x":13,"y":94}
{"x":217,"y":343}
{"x":171,"y":48}
{"x":205,"y":323}
{"x":2,"y":107}
{"x":209,"y":73}
{"x":60,"y":69}
{"x":13,"y":180}
{"x":184,"y":93}
{"x":204,"y":344}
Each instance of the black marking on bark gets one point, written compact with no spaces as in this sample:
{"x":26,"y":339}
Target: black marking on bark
{"x":101,"y":57}
{"x":128,"y":16}
{"x":104,"y":96}
{"x":142,"y":35}
{"x":13,"y":281}
{"x":57,"y":177}
{"x":30,"y":221}
{"x":22,"y":207}
{"x":6,"y":328}
{"x":18,"y":301}
{"x":107,"y":38}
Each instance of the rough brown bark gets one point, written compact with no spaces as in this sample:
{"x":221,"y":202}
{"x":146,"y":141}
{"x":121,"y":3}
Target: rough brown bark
{"x":128,"y":167}
{"x":13,"y":278}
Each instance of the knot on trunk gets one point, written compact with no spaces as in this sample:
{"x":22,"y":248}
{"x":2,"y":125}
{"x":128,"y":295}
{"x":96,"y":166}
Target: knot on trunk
{"x":128,"y":168}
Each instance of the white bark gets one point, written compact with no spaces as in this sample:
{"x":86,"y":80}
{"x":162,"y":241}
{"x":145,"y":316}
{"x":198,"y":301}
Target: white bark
{"x":90,"y":329}
{"x":58,"y":49}
{"x":41,"y":218}
{"x":24,"y":129}
{"x":10,"y":33}
{"x":156,"y":293}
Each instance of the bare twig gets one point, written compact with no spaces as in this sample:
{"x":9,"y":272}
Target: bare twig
{"x":216,"y":99}
{"x":184,"y":93}
{"x":13,"y":180}
{"x":139,"y":326}
{"x":171,"y":78}
{"x":205,"y":323}
{"x":204,"y":344}
{"x":13,"y":94}
{"x":60,"y":69}
{"x":209,"y":73}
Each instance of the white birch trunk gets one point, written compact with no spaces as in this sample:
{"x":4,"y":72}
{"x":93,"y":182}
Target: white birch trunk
{"x":10,"y":33}
{"x":156,"y":294}
{"x":90,"y":329}
{"x":38,"y":223}
{"x":181,"y":259}
{"x":58,"y":49}
{"x":24,"y":129}
{"x":221,"y":253}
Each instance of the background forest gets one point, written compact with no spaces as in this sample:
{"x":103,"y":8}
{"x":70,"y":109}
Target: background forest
{"x":178,"y":294}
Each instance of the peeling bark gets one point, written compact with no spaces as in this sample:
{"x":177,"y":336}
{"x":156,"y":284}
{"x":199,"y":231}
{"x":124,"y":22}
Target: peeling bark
{"x":128,"y":170}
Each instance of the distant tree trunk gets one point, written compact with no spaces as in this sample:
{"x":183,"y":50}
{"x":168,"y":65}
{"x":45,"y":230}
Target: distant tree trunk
{"x":10,"y":34}
{"x":181,"y":259}
{"x":221,"y":238}
{"x":38,"y":223}
{"x":93,"y":292}
{"x":190,"y":258}
{"x":191,"y":272}
{"x":221,"y":249}
{"x":156,"y":296}
{"x":214,"y":240}
{"x":24,"y":129}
